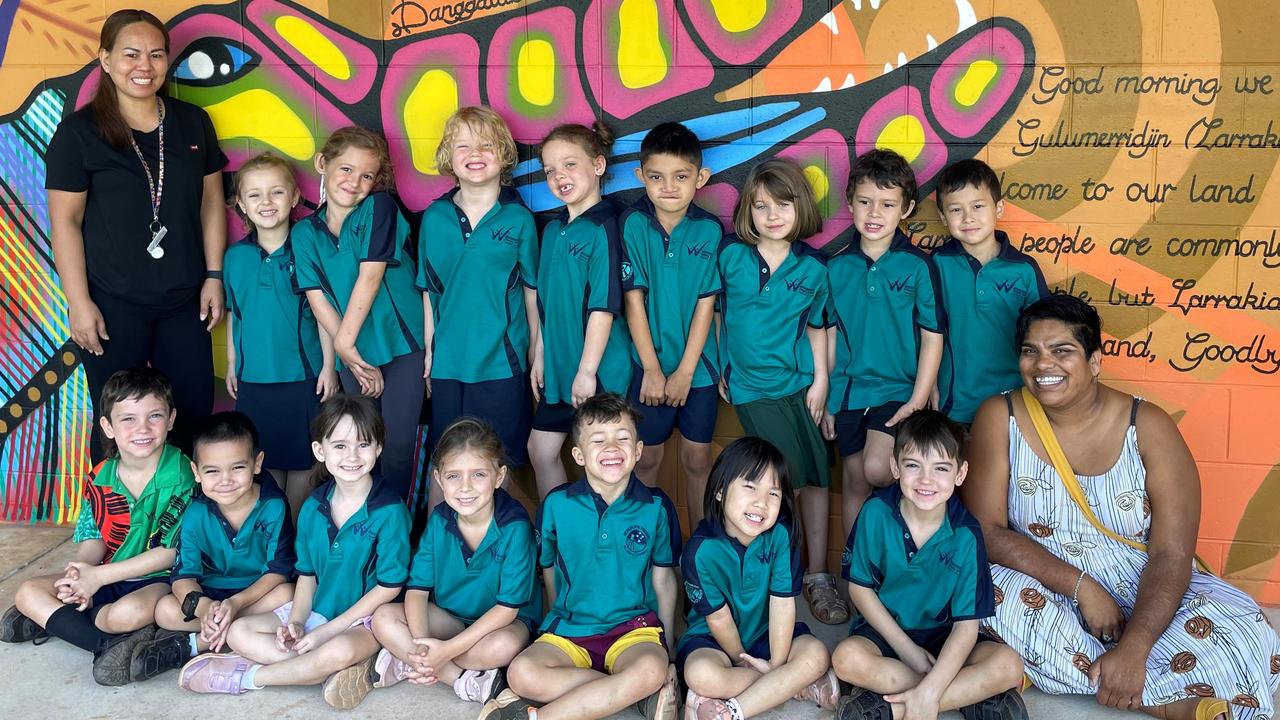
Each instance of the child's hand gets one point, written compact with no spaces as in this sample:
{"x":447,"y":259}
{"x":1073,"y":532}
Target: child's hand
{"x":584,"y":386}
{"x":918,"y":660}
{"x":233,"y":385}
{"x":80,"y":579}
{"x":724,"y":389}
{"x":535,"y":376}
{"x":905,"y":411}
{"x":754,"y":663}
{"x":816,"y":400}
{"x":327,"y":384}
{"x":828,"y":426}
{"x":217,"y":621}
{"x":921,"y":702}
{"x":316,"y":638}
{"x":426,"y":371}
{"x":288,"y":635}
{"x":213,"y":303}
{"x":678,"y":388}
{"x":653,"y":388}
{"x":434,"y":653}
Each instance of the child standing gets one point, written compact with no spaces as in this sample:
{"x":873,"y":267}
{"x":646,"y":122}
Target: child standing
{"x":355,"y":264}
{"x":580,"y":349}
{"x":744,"y":653}
{"x":478,"y":261}
{"x":353,"y":557}
{"x":235,"y":551}
{"x":986,"y":282}
{"x":775,"y":348}
{"x":279,"y":363}
{"x":671,"y":244}
{"x":130,"y":516}
{"x":917,"y":571}
{"x":471,"y":602}
{"x":887,"y":326}
{"x":608,"y":546}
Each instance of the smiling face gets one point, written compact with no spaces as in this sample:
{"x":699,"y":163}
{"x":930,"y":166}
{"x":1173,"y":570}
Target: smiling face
{"x":774,"y":219}
{"x":266,"y":196}
{"x":751,"y":505}
{"x":139,"y":426}
{"x":1054,"y":366}
{"x":572,"y":174}
{"x":877,"y":211}
{"x":225,"y":469}
{"x":670,"y":181}
{"x":970,"y":214}
{"x":138,"y":62}
{"x":608,"y":450}
{"x":350,"y":176}
{"x":474,"y":157}
{"x":346,"y":455}
{"x":927,"y":477}
{"x":468,"y":480}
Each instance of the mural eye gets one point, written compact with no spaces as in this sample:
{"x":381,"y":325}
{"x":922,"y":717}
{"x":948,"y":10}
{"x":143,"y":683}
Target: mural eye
{"x":211,"y":61}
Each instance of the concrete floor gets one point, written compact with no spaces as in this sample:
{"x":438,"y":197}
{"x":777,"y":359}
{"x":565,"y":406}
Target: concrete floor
{"x":54,"y":681}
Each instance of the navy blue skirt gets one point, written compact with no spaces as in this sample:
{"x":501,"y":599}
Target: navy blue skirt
{"x":282,"y":412}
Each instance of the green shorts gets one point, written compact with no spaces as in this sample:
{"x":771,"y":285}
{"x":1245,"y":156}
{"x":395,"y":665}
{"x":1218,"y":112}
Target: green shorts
{"x":785,"y":422}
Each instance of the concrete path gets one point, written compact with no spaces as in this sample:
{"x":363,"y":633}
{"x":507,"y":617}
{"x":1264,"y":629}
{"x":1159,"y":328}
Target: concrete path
{"x":54,"y":681}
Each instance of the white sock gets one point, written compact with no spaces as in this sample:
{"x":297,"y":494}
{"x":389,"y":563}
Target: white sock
{"x":192,"y":639}
{"x":247,"y":682}
{"x":735,"y":709}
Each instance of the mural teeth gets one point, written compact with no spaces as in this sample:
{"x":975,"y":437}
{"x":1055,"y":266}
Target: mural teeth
{"x":830,"y":21}
{"x":824,"y":86}
{"x":902,"y":59}
{"x":968,"y":17}
{"x":933,"y":44}
{"x":849,"y":81}
{"x":888,"y":68}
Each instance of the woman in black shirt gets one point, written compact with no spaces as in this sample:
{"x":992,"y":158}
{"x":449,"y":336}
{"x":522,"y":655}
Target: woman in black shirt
{"x":138,"y":222}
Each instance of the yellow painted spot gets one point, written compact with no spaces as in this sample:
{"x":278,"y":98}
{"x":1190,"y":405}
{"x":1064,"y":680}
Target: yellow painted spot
{"x":975,"y":81}
{"x":641,"y":59}
{"x":739,"y":15}
{"x":15,"y":411}
{"x":904,"y":135}
{"x":4,"y":427}
{"x":314,"y":46}
{"x":536,"y":72}
{"x":818,"y":180}
{"x":33,"y":394}
{"x":433,"y":99}
{"x":261,"y":115}
{"x":68,"y":358}
{"x":50,"y":377}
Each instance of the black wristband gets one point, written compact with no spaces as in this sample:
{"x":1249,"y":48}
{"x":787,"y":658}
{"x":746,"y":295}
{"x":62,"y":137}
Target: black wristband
{"x":190,"y":603}
{"x":213,"y":275}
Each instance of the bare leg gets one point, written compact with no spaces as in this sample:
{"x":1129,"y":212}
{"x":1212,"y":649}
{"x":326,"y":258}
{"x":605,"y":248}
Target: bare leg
{"x":757,"y":693}
{"x":37,"y":598}
{"x":650,"y":463}
{"x":990,"y":669}
{"x":296,"y":485}
{"x":133,"y":611}
{"x":254,"y":637}
{"x":696,"y":458}
{"x":169,"y":616}
{"x":544,"y":455}
{"x":343,"y":651}
{"x":571,"y":693}
{"x":856,"y":490}
{"x":875,"y":459}
{"x":815,"y":509}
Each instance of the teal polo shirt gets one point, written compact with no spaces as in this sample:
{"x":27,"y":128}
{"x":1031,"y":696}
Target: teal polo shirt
{"x":923,"y":588}
{"x":468,"y":583}
{"x":216,"y":555}
{"x":370,"y":550}
{"x":283,"y":338}
{"x":475,"y":278}
{"x":764,"y":315}
{"x":675,"y":271}
{"x":719,"y":571}
{"x":604,"y":555}
{"x":375,"y":231}
{"x":581,"y":270}
{"x":879,"y":309}
{"x":983,"y":303}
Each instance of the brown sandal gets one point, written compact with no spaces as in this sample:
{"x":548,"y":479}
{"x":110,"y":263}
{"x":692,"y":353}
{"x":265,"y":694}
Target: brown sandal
{"x":824,"y":599}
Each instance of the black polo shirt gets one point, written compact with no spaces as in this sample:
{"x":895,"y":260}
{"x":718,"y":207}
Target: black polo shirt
{"x":118,"y":207}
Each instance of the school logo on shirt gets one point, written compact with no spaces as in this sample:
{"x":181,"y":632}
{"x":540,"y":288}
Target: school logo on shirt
{"x":693,"y":591}
{"x":846,"y":558}
{"x":637,"y":540}
{"x":362,"y":529}
{"x":263,"y":526}
{"x":1010,"y":287}
{"x":579,"y":250}
{"x":902,"y":285}
{"x":797,"y":285}
{"x":626,"y":271}
{"x":948,"y":561}
{"x":505,"y":236}
{"x":699,"y":251}
{"x":765,"y":556}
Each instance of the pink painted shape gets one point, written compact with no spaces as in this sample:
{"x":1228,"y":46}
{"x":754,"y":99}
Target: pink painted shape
{"x":720,"y":200}
{"x":1001,"y":47}
{"x":906,"y":100}
{"x":570,"y":104}
{"x":742,"y":47}
{"x":364,"y":63}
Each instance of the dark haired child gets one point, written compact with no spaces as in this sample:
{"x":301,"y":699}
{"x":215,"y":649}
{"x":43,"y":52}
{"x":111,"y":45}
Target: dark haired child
{"x":774,"y":348}
{"x":235,"y":552}
{"x":279,"y":362}
{"x":353,"y":557}
{"x":608,"y":547}
{"x":671,"y":244}
{"x":472,"y":599}
{"x":918,"y":574}
{"x":887,"y":324}
{"x":744,"y":653}
{"x":354,"y":262}
{"x":985,"y":282}
{"x":130,"y":516}
{"x":581,"y":349}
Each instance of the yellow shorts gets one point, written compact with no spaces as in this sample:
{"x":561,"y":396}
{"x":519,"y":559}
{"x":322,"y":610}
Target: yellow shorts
{"x":600,"y":652}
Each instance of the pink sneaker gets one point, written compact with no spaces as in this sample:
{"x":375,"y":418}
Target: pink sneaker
{"x":214,"y":673}
{"x":389,"y":668}
{"x":824,"y":691}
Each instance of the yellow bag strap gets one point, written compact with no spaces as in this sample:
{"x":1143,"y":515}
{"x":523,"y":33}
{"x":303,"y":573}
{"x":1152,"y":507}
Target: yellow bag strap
{"x":1049,"y":440}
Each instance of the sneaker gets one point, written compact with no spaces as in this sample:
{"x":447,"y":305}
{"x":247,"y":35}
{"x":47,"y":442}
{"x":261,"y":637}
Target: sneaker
{"x":168,"y":650}
{"x":111,"y":663}
{"x":824,"y":692}
{"x":697,"y":707}
{"x":863,"y":705}
{"x":346,"y":688}
{"x":824,"y":599}
{"x":388,"y":669}
{"x":1007,"y":705}
{"x":662,"y":704}
{"x":506,"y":706}
{"x":18,"y":628}
{"x":479,"y":687}
{"x":215,"y":673}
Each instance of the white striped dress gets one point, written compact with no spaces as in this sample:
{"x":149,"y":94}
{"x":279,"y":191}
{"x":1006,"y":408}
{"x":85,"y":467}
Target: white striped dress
{"x":1219,"y":643}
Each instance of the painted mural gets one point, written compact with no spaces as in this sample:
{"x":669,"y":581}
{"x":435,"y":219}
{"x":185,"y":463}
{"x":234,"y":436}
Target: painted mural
{"x":1135,"y":139}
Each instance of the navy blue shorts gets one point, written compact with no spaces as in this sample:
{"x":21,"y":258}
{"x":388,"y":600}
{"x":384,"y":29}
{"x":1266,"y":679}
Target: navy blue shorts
{"x":696,"y":419}
{"x":553,"y":417}
{"x":930,"y":640}
{"x":852,"y":426}
{"x":759,"y":648}
{"x":112,"y":592}
{"x":282,"y":413}
{"x":507,"y":405}
{"x":219,"y":594}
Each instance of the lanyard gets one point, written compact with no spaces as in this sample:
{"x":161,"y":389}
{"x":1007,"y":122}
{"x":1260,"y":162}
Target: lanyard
{"x":155,"y":185}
